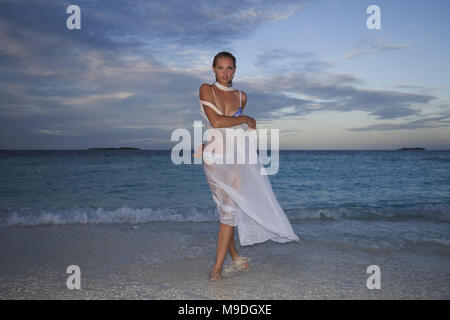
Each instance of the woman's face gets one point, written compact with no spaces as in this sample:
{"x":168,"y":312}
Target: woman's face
{"x":224,"y":70}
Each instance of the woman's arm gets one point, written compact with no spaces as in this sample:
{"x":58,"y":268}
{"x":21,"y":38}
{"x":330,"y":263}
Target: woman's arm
{"x":244,"y":100}
{"x":220,"y":121}
{"x":250,"y":121}
{"x":226,"y":121}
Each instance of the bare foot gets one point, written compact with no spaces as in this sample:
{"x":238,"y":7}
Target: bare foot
{"x":238,"y":264}
{"x":215,"y":274}
{"x":241,"y":263}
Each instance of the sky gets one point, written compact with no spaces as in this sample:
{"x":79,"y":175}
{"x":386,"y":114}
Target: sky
{"x":312,"y":69}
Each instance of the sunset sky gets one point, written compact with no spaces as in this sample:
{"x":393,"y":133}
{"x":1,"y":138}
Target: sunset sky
{"x":311,"y":69}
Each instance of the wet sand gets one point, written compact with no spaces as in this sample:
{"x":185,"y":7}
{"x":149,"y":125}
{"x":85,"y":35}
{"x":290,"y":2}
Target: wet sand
{"x":170,"y":260}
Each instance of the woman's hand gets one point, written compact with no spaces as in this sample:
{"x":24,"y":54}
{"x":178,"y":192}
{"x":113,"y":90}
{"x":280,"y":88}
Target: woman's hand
{"x":251,"y":122}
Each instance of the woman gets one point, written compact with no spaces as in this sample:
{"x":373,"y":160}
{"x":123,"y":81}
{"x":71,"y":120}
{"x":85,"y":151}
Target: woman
{"x":243,"y":195}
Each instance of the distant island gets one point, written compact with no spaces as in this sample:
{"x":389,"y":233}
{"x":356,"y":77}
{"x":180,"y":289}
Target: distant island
{"x":416,"y":148}
{"x":121,"y":148}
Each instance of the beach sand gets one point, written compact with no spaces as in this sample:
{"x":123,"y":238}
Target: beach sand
{"x":170,"y":260}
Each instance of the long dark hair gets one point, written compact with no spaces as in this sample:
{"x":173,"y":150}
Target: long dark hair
{"x":224,"y":54}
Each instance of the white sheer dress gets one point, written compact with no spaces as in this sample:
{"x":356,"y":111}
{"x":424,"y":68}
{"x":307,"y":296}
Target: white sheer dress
{"x":243,"y":195}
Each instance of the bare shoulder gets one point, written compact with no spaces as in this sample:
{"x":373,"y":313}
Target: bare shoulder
{"x":205,"y":86}
{"x":244,"y":97}
{"x":205,"y":91}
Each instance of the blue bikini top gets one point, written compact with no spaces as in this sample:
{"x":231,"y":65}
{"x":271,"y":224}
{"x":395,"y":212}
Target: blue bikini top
{"x":239,"y":111}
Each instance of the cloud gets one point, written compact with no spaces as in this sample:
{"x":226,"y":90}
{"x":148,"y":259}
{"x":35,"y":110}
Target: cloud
{"x":112,"y":81}
{"x":57,"y":132}
{"x":412,"y":86}
{"x":117,"y":23}
{"x":364,"y":47}
{"x":289,"y":132}
{"x":280,"y":61}
{"x":95,"y":98}
{"x":304,"y":93}
{"x":440,"y":121}
{"x":150,"y":140}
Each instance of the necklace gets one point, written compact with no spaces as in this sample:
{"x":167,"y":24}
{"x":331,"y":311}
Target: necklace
{"x":222,"y":87}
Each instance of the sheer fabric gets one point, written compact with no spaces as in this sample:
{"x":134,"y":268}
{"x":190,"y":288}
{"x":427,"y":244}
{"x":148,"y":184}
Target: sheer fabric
{"x":243,"y":195}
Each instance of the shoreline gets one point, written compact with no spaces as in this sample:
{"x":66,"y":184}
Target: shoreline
{"x":169,"y":260}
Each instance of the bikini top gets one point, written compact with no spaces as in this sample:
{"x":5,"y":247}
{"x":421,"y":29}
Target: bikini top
{"x":212,"y":106}
{"x":198,"y":152}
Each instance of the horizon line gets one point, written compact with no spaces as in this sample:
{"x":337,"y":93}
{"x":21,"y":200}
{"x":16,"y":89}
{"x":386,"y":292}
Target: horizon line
{"x":139,"y":149}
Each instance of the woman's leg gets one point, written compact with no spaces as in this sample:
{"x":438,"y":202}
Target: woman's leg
{"x":244,"y":263}
{"x":223,"y":244}
{"x":232,"y":249}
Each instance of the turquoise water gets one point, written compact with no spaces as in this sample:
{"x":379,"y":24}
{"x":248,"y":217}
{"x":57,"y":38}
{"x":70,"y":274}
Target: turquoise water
{"x":366,"y":198}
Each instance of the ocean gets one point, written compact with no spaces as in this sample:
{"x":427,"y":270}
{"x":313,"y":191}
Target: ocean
{"x":140,"y":227}
{"x":375,"y":199}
